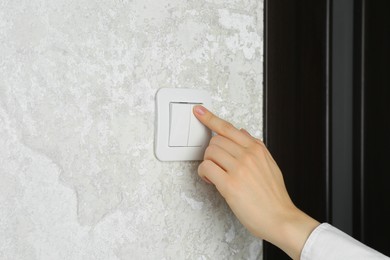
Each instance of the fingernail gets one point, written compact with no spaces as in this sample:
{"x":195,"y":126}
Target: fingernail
{"x":200,"y":110}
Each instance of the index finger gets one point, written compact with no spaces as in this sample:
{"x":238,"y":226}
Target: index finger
{"x":221,"y":126}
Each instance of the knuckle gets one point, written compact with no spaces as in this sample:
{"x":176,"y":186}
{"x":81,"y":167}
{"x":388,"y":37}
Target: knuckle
{"x":207,"y":151}
{"x":215,"y":140}
{"x":259,"y":142}
{"x":230,"y":190}
{"x":211,"y":149}
{"x":258,"y":149}
{"x":202,"y":168}
{"x":226,"y":127}
{"x":241,"y":171}
{"x":226,"y":189}
{"x":248,"y":158}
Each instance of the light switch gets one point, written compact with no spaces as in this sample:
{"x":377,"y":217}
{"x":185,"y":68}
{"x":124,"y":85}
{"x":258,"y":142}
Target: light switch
{"x":179,"y":124}
{"x":184,"y":128}
{"x":179,"y":134}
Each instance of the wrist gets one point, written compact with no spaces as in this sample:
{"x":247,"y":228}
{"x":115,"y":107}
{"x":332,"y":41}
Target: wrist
{"x":293,"y":232}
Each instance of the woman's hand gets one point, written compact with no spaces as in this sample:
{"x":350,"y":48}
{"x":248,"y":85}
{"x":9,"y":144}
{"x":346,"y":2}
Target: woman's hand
{"x":246,"y":175}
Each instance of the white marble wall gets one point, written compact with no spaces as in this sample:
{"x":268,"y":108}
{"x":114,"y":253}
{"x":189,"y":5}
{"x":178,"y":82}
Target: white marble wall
{"x":78,"y":176}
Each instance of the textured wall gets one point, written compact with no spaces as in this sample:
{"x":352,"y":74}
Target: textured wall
{"x":78,"y":177}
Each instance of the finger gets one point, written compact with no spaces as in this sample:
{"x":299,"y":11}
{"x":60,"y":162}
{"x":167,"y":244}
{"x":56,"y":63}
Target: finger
{"x":246,"y":132}
{"x":253,"y":138}
{"x":207,"y":180}
{"x":250,"y":136}
{"x":231,"y":147}
{"x":222,"y":158}
{"x":221,"y":126}
{"x":212,"y":172}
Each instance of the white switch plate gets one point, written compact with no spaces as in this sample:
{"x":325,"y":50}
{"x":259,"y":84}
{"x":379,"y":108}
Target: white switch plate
{"x":164,"y":99}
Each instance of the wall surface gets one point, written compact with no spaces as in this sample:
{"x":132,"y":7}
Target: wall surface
{"x":78,"y":175}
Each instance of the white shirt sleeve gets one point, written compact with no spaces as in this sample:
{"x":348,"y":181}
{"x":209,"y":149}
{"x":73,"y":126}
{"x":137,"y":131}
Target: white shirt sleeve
{"x":327,"y":242}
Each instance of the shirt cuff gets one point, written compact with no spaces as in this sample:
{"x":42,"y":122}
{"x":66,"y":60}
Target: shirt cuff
{"x":328,"y":242}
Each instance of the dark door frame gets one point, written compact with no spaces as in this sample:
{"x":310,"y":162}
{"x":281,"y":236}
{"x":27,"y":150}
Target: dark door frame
{"x":297,"y":103}
{"x":326,"y":111}
{"x":372,"y":124}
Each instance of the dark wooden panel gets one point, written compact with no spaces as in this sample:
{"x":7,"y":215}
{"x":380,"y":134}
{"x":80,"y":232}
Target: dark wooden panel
{"x":296,"y":102}
{"x":373,"y":192}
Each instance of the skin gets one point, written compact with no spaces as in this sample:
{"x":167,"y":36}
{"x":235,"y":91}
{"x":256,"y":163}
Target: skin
{"x":245,"y":174}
